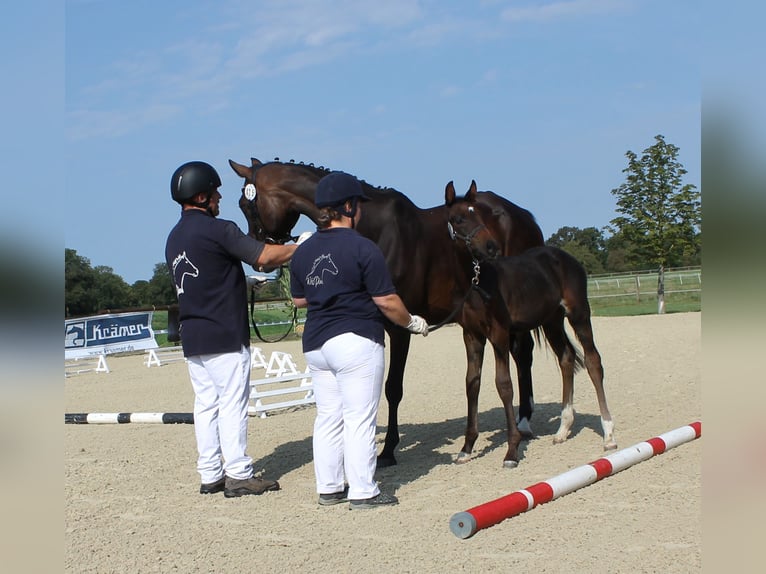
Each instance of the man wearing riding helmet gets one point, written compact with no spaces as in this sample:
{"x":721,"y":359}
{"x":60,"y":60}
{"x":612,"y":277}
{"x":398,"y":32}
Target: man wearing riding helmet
{"x":205,"y":255}
{"x":342,"y":279}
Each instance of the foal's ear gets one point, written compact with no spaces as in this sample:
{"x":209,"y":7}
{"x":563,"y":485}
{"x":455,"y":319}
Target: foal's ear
{"x":470,"y":195}
{"x":449,"y":194}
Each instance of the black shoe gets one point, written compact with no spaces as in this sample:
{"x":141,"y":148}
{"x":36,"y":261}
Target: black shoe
{"x":213,"y":487}
{"x":236,"y":487}
{"x":379,"y":500}
{"x":333,"y":498}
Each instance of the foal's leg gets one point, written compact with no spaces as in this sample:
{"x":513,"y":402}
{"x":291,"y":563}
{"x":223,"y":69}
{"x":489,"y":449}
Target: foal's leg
{"x":584,"y":331}
{"x":400,"y":345}
{"x":504,"y":384}
{"x":521,"y":349}
{"x":474,"y":350}
{"x":565,"y":351}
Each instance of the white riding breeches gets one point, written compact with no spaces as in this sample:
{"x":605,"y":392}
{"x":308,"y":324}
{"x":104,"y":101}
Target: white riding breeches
{"x":347,"y":375}
{"x":221,"y":385}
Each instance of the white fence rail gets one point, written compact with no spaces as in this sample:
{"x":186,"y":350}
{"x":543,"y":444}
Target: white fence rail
{"x":644,"y":283}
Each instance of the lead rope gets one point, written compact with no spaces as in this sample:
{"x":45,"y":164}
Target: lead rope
{"x":290,"y":326}
{"x":474,"y":285}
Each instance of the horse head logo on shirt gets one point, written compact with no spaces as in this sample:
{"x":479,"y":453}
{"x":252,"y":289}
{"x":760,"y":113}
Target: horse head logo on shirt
{"x":321,"y":264}
{"x":181,"y":268}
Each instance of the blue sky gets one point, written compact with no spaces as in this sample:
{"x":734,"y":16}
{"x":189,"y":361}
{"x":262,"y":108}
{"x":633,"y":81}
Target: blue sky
{"x":535,"y":100}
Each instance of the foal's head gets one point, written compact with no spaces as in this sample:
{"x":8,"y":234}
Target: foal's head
{"x":473,"y":224}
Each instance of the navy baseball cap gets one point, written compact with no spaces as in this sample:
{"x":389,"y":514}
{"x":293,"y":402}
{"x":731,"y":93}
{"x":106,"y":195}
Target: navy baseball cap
{"x":336,"y":188}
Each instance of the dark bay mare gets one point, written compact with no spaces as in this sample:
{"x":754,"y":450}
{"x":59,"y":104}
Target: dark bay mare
{"x":536,"y":289}
{"x":423,"y":266}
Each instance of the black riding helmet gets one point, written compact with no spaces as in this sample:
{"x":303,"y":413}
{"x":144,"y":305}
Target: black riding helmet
{"x":192,"y":178}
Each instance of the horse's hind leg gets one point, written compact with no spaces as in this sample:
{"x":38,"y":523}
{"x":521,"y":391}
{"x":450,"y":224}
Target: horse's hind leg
{"x":584,"y":331}
{"x":566,"y":354}
{"x":522,"y":348}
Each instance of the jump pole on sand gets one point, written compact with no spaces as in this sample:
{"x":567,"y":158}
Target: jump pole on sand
{"x":122,"y":418}
{"x":466,"y":524}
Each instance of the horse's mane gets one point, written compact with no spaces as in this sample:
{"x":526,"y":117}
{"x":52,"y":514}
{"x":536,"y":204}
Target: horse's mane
{"x":321,"y":171}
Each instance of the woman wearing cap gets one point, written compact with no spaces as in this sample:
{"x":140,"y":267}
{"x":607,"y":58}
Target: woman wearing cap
{"x":342,"y":280}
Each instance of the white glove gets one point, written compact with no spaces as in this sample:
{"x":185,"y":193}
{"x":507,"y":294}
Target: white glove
{"x":417,"y":325}
{"x":303,"y":237}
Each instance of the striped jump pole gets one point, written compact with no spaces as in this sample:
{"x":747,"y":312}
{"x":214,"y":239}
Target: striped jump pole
{"x":122,"y":418}
{"x":466,"y":524}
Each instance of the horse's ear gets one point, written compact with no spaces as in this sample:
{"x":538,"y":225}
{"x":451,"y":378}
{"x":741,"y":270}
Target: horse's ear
{"x":470,"y":195}
{"x":255,"y":162}
{"x":449,"y":194}
{"x":241,"y":170}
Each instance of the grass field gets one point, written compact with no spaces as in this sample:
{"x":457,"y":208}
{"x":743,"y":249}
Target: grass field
{"x":622,"y":294}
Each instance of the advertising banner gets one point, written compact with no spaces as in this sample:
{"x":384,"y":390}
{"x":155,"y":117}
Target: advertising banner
{"x":105,"y":334}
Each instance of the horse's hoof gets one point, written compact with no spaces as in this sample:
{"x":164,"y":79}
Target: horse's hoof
{"x":386,"y":461}
{"x":524,"y":428}
{"x":610,"y":446}
{"x":558,"y":440}
{"x":462,"y":458}
{"x":510,"y":463}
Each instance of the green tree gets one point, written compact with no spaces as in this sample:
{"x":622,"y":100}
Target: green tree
{"x":140,"y":294}
{"x":161,"y":289}
{"x":79,"y":282}
{"x":111,"y":290}
{"x":586,"y":245}
{"x":660,"y":221}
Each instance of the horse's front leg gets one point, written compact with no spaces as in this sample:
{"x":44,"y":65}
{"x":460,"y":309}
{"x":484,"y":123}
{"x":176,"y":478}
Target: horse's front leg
{"x":400,"y":345}
{"x":522,"y":347}
{"x":501,"y":346}
{"x":474,"y":349}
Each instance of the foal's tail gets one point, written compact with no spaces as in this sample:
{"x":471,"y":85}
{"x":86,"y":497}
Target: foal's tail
{"x":579,"y":360}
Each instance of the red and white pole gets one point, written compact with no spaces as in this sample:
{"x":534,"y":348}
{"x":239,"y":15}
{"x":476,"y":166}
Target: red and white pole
{"x":466,"y":524}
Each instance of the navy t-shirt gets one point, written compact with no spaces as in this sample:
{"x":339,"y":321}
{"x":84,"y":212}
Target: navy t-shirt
{"x":338,"y":272}
{"x":205,"y":255}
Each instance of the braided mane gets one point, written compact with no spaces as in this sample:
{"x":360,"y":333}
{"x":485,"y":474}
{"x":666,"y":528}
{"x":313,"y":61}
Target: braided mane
{"x":321,"y":171}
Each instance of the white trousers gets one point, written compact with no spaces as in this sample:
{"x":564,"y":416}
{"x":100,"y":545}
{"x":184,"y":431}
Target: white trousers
{"x":221,"y":385}
{"x":347,"y":375}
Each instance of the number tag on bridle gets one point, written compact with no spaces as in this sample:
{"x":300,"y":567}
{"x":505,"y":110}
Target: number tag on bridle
{"x":249,"y":192}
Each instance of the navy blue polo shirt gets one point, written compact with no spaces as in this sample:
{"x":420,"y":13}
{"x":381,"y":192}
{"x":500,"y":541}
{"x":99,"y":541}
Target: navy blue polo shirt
{"x":338,"y":272}
{"x":204,"y":255}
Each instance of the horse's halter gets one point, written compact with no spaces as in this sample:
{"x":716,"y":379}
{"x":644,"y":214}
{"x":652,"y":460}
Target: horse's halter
{"x":454,"y":235}
{"x":250,"y":194}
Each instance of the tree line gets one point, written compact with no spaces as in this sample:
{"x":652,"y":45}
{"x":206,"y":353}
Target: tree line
{"x":659,"y":224}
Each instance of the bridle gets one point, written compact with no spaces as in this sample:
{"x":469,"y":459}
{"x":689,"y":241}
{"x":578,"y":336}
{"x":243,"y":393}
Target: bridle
{"x":249,"y":193}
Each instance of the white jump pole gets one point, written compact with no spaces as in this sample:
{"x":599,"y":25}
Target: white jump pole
{"x":122,"y":418}
{"x":466,"y":524}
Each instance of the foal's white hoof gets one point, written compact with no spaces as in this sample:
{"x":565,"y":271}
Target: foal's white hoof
{"x":610,"y":446}
{"x":510,"y":464}
{"x":462,"y":458}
